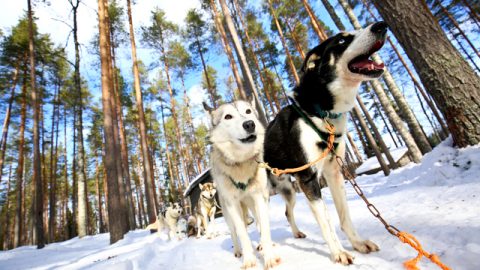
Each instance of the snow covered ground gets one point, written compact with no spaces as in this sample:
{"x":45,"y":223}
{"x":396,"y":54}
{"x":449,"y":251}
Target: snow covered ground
{"x":437,"y":201}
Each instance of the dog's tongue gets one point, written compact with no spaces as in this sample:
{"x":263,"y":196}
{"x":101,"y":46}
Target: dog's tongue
{"x":367,"y":64}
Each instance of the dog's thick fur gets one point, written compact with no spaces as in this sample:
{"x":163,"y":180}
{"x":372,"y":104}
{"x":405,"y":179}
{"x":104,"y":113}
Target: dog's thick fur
{"x":332,"y":74}
{"x":206,"y":208}
{"x":237,"y":142}
{"x":167,"y":221}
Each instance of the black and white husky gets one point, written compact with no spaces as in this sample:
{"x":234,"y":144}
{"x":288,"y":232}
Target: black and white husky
{"x":237,"y":144}
{"x":332,"y":73}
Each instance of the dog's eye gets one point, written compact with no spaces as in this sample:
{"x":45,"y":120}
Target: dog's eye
{"x":228,"y":116}
{"x":248,"y":111}
{"x":341,"y":41}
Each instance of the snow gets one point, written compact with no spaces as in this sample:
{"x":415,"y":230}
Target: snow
{"x":437,"y":201}
{"x":372,"y":163}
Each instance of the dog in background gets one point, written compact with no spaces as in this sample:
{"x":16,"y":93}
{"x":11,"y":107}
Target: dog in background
{"x":236,"y":137}
{"x":332,"y":74}
{"x":206,"y":209}
{"x":167,"y":221}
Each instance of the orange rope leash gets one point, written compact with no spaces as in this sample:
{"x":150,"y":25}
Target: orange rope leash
{"x":414,"y":243}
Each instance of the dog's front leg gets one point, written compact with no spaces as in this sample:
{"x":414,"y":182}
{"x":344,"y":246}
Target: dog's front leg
{"x":261,"y":210}
{"x":311,"y":188}
{"x":336,"y":184}
{"x":235,"y":216}
{"x":211,"y":223}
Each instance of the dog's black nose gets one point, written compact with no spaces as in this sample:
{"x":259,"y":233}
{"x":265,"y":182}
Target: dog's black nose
{"x":249,"y":126}
{"x":379,"y":28}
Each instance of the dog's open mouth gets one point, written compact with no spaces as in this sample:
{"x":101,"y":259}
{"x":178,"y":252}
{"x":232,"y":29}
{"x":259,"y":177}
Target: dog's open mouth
{"x":362,"y":64}
{"x":249,"y":139}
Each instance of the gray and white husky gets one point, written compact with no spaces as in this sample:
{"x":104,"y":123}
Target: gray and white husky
{"x":237,"y":144}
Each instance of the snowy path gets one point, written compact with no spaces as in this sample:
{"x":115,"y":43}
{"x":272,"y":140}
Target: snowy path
{"x":437,"y":201}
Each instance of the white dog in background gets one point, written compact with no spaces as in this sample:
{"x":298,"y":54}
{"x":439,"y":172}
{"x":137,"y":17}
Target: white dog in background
{"x":167,"y":221}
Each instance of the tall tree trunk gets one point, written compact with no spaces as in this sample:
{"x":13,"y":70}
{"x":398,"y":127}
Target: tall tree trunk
{"x":455,"y":23}
{"x":123,"y":141}
{"x":294,"y":38}
{"x":82,"y":218}
{"x":167,"y":151}
{"x":464,"y":50}
{"x":228,"y":50}
{"x":377,"y":134}
{"x":443,"y":71}
{"x":37,"y":166}
{"x":101,"y":226}
{"x":6,"y":232}
{"x":355,"y":148}
{"x":243,"y":62}
{"x":314,"y":21}
{"x":333,"y":14}
{"x":371,"y":141}
{"x":53,"y":173}
{"x":412,"y":122}
{"x":116,"y":214}
{"x":178,"y":144}
{"x":360,"y":134}
{"x":147,"y":162}
{"x":196,"y":153}
{"x":6,"y":122}
{"x":116,"y":137}
{"x":265,"y":84}
{"x":68,"y":233}
{"x":379,"y":111}
{"x":284,"y":43}
{"x":207,"y":78}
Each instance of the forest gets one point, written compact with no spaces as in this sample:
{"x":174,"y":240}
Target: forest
{"x":101,"y":130}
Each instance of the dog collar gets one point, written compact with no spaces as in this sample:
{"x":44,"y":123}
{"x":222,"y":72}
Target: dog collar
{"x":240,"y":185}
{"x":321,"y":134}
{"x":325,"y":114}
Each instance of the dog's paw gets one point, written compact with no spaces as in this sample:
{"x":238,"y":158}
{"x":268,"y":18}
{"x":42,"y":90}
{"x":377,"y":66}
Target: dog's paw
{"x":249,"y":261}
{"x":271,"y":260}
{"x":299,"y":234}
{"x":365,"y":246}
{"x":237,"y":253}
{"x":343,"y":257}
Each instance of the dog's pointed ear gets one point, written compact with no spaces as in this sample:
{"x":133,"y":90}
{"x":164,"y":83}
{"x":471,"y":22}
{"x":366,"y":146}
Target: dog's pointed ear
{"x":309,"y":62}
{"x":206,"y":107}
{"x":200,"y":186}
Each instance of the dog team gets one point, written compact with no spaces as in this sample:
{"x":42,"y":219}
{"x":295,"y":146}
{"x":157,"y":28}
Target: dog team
{"x":331,"y":75}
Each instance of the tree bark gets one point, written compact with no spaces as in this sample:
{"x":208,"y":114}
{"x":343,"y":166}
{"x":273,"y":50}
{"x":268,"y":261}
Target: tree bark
{"x":116,"y":214}
{"x":314,"y":21}
{"x":147,"y":162}
{"x":243,"y":62}
{"x":37,"y":166}
{"x":371,"y":141}
{"x":443,"y":71}
{"x":284,"y":44}
{"x":82,"y":218}
{"x":265,"y":84}
{"x":6,"y":122}
{"x":377,"y":134}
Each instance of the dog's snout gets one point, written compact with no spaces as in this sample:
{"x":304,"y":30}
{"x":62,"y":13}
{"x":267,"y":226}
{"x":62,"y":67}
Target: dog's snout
{"x":249,"y":126}
{"x":379,"y":28}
